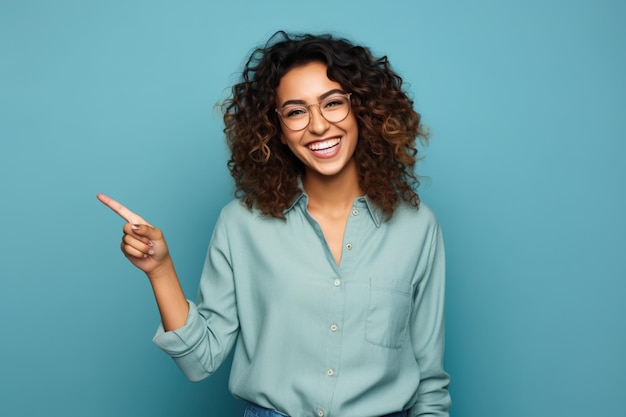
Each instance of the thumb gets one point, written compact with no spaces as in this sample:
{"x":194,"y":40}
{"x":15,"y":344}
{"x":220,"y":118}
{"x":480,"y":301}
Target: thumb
{"x":147,"y":231}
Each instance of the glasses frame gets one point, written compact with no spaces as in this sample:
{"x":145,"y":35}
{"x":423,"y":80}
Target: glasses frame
{"x":318,"y":104}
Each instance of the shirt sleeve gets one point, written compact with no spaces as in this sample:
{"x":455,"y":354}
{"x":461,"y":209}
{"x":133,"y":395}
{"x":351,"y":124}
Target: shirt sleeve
{"x":203,"y":343}
{"x":427,"y":334}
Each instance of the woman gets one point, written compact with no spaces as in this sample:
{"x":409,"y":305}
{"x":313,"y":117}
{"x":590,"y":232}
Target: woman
{"x":326,"y":274}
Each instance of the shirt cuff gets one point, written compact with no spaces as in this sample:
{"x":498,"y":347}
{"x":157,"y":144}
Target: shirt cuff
{"x":180,"y":342}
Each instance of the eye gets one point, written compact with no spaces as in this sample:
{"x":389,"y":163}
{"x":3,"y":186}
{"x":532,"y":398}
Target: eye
{"x":334,"y":103}
{"x":294,"y":112}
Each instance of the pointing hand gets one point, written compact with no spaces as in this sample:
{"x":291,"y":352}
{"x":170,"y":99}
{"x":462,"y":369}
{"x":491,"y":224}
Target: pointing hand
{"x":142,"y":244}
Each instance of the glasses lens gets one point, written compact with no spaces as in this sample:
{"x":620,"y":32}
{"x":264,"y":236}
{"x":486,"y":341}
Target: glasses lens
{"x":335,"y":108}
{"x":295,"y":117}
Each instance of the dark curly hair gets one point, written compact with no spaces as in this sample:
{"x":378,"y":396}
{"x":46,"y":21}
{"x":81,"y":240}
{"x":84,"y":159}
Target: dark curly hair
{"x":266,"y":172}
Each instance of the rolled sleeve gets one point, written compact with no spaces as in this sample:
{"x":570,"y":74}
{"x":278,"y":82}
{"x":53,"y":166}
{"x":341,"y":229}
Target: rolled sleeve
{"x":185,"y":345}
{"x":180,"y":342}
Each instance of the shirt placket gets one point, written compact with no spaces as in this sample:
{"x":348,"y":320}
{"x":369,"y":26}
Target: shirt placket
{"x":336,"y":313}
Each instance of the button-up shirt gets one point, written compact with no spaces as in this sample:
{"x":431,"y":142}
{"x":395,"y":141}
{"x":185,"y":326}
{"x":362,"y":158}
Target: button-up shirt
{"x":312,"y":338}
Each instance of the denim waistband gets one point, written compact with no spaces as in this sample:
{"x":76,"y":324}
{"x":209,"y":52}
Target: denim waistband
{"x":253,"y":410}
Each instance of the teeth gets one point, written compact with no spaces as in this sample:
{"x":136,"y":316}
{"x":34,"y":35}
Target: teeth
{"x":318,"y":146}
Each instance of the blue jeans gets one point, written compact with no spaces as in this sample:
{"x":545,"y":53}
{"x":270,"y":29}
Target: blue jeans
{"x":253,"y":410}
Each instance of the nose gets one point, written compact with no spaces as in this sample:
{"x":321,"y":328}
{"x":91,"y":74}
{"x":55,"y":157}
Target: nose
{"x":318,"y":124}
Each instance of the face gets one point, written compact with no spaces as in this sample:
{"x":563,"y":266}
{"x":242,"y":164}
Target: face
{"x":325,"y":148}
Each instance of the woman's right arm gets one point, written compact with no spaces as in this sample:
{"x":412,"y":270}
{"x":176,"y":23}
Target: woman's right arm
{"x":145,"y":247}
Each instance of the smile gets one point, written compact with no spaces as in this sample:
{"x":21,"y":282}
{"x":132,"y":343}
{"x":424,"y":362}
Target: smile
{"x":324,"y":145}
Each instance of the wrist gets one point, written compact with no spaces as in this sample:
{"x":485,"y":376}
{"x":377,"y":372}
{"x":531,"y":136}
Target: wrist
{"x":164,"y":270}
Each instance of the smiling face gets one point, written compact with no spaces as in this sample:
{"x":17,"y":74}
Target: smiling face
{"x":326,"y":148}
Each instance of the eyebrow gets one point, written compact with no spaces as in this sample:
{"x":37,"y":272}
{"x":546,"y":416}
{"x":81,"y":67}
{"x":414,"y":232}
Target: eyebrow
{"x":320,"y":98}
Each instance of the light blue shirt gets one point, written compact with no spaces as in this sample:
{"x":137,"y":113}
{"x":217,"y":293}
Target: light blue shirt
{"x":313,"y":338}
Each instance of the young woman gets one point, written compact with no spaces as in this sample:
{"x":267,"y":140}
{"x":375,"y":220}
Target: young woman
{"x":326,"y":273}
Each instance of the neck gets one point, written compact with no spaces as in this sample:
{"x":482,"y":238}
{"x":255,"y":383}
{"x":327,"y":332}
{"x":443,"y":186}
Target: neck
{"x":332,"y":193}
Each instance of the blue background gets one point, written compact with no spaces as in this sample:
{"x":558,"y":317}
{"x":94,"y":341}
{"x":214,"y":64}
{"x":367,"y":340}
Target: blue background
{"x":526,"y":102}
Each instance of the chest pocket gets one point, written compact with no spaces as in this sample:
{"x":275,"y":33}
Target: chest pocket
{"x":388,"y":313}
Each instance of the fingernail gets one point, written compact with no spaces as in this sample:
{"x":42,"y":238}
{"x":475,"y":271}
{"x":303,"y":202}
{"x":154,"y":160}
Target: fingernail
{"x":150,"y":243}
{"x":151,"y":252}
{"x":134,"y":226}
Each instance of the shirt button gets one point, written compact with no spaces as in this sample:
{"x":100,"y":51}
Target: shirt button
{"x":333,"y":327}
{"x":337,"y":282}
{"x":330,"y":372}
{"x":320,"y":413}
{"x":355,"y":212}
{"x":349,"y":246}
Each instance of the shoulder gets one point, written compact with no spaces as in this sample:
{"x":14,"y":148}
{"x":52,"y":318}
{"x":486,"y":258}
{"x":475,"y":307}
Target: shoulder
{"x":406,"y":214}
{"x":236,"y":211}
{"x":235,"y":207}
{"x":418,"y":225}
{"x":236,"y":214}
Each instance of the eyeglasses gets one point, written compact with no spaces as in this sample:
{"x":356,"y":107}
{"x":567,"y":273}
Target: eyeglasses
{"x":298,"y":116}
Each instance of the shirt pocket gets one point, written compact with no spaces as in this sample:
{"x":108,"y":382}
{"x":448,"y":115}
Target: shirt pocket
{"x":388,"y":313}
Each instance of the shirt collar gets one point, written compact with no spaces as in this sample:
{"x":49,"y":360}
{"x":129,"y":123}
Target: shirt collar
{"x":364,"y":202}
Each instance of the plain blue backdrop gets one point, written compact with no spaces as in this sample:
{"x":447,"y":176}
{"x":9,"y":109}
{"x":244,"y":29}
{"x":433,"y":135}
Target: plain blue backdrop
{"x":526,"y":103}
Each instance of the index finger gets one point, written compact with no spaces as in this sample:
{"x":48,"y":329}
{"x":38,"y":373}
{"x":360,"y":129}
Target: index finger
{"x":121,"y":210}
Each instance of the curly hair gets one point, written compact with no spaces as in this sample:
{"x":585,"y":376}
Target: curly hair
{"x":266,"y":172}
